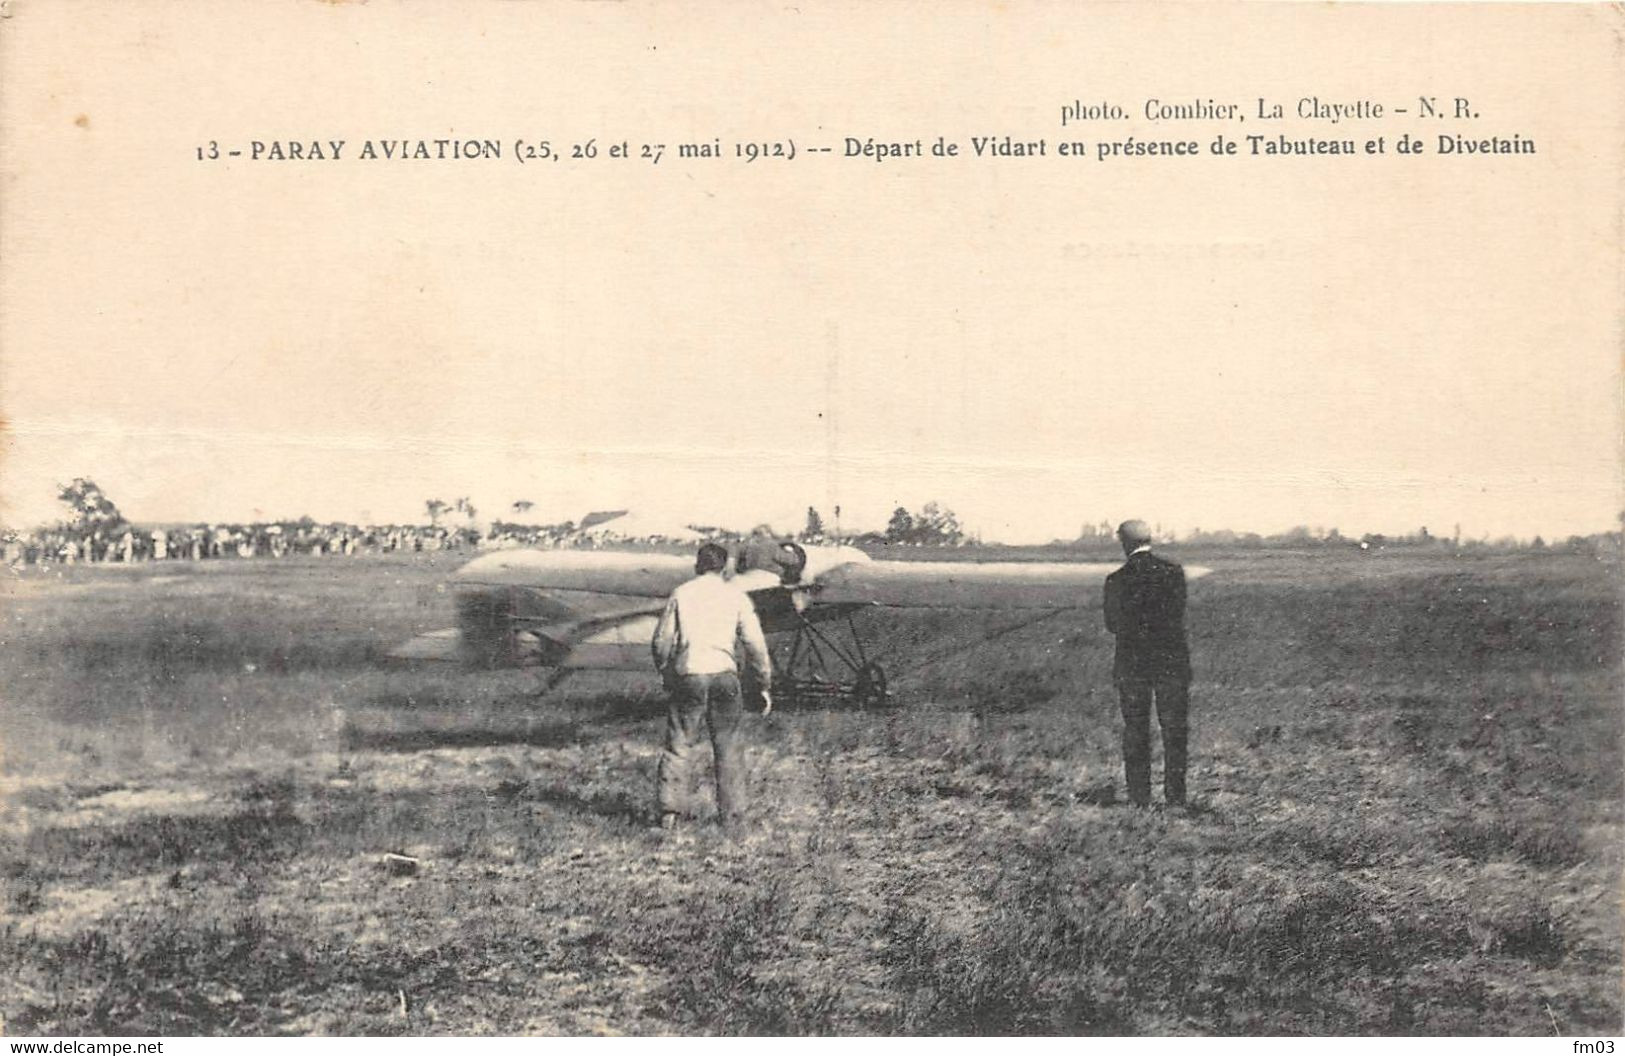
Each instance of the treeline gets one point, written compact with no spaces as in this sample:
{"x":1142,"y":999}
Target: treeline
{"x":96,"y":528}
{"x":1304,"y":537}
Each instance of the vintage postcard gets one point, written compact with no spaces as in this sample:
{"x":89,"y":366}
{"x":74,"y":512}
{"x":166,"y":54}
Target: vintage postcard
{"x":981,"y":518}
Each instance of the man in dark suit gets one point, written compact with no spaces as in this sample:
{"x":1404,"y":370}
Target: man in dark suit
{"x":1145,"y":609}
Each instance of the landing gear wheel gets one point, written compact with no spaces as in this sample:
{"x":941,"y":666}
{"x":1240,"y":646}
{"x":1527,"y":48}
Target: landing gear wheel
{"x":869,"y":689}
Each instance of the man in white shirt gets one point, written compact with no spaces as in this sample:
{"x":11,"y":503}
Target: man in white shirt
{"x":694,"y":652}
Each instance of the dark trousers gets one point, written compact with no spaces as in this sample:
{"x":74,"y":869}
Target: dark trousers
{"x":1172,"y":697}
{"x":697,"y":702}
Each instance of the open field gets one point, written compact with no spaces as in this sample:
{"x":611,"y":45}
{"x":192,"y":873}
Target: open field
{"x":1406,"y":769}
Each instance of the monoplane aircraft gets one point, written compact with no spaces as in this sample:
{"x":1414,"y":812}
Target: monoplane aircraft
{"x":573,"y":610}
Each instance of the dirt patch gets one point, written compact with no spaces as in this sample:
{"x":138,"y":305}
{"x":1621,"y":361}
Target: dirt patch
{"x":66,"y":911}
{"x":144,"y":800}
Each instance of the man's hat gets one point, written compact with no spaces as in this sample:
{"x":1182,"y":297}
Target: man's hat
{"x":1134,"y":532}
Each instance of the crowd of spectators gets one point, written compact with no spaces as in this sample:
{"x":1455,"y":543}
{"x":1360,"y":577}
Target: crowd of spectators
{"x":129,"y":543}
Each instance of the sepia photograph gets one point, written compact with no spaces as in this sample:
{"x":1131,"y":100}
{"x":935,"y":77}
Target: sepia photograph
{"x":811,"y":519}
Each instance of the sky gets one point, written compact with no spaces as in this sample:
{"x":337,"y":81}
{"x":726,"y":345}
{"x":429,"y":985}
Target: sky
{"x":1375,"y":345}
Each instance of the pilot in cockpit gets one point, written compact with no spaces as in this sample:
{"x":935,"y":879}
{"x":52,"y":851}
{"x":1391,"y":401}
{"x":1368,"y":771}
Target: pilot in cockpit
{"x":763,"y":561}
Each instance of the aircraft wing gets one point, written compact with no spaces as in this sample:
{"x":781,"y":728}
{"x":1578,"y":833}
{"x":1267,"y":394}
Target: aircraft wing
{"x":969,"y":584}
{"x":600,"y":572}
{"x":596,"y":609}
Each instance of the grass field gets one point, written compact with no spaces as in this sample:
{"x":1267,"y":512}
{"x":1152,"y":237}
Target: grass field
{"x":1406,"y":772}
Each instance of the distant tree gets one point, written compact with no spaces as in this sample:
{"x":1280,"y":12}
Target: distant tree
{"x":900,"y":529}
{"x":1537,"y":543}
{"x":1581,"y":544}
{"x":814,"y":530}
{"x":1094,"y":533}
{"x":464,"y":507}
{"x":938,"y":525}
{"x":89,"y":505}
{"x":435,"y":508}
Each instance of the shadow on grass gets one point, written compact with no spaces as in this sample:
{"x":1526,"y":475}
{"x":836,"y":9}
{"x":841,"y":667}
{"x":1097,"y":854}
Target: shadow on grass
{"x":542,"y":735}
{"x":615,"y":806}
{"x":168,"y":650}
{"x":243,"y":839}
